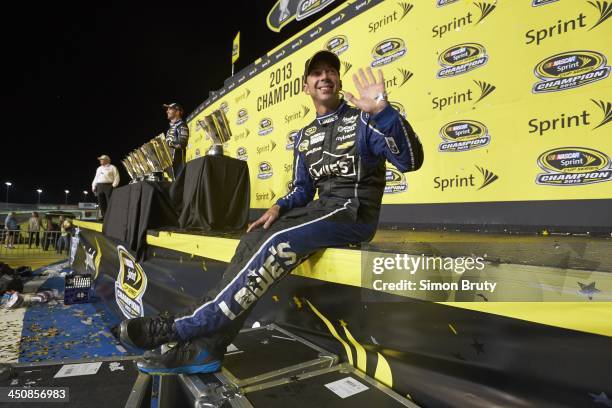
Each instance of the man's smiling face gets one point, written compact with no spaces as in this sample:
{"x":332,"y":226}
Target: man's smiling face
{"x":323,"y":82}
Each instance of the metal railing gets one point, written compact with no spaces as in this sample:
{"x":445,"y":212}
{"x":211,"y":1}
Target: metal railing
{"x":26,"y":244}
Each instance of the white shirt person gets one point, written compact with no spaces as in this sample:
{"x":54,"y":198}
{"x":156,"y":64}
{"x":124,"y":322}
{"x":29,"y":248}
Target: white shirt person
{"x":107,"y":178}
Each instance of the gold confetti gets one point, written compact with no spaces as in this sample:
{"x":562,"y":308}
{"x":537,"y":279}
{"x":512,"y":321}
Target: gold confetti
{"x":297,"y":302}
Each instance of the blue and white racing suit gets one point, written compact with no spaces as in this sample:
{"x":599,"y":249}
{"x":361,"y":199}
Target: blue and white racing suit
{"x":177,"y":137}
{"x":341,"y":155}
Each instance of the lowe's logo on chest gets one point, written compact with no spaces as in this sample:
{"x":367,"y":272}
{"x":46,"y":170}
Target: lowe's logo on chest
{"x":338,"y":165}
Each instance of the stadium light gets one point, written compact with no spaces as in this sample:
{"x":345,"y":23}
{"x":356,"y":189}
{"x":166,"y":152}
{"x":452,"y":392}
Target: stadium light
{"x":8,"y":186}
{"x":39,"y":191}
{"x":67,"y":192}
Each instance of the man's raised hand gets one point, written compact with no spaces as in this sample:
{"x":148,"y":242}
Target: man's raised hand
{"x":371,"y":91}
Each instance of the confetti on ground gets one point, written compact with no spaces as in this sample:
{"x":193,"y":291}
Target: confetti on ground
{"x":54,"y":331}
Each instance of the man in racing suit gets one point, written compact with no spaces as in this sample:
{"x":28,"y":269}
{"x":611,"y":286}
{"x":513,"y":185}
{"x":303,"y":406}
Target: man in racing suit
{"x":341,"y":154}
{"x":177,"y":136}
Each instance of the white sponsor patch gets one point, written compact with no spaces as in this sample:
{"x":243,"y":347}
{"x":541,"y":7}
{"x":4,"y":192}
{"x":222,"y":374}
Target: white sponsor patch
{"x":391,"y":144}
{"x":317,"y":138}
{"x":347,"y":129}
{"x":328,"y":120}
{"x":348,"y":120}
{"x":311,"y":151}
{"x":344,"y":137}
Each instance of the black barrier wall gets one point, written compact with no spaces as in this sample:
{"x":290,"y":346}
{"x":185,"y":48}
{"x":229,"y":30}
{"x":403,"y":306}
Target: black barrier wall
{"x":436,"y":354}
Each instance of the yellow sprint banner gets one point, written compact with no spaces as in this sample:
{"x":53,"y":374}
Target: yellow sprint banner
{"x":511,"y":98}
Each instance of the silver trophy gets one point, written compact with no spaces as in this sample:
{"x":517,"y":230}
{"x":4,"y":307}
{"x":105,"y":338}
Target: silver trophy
{"x":128,"y":167}
{"x":217,"y":129}
{"x":137,"y":170}
{"x":153,"y":162}
{"x":141,"y":164}
{"x":162,"y":151}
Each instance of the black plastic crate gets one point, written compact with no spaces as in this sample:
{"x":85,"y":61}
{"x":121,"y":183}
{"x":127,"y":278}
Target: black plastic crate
{"x":77,"y":288}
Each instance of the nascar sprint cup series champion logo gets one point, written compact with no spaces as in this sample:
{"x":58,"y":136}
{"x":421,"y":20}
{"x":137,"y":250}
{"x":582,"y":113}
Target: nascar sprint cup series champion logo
{"x":571,"y":166}
{"x":463,"y":135}
{"x":337,"y":44}
{"x":395,"y":182}
{"x":242,"y":116}
{"x":265,"y":127}
{"x":130,"y":285}
{"x":460,"y":59}
{"x":569,"y":70}
{"x":264,"y":170}
{"x":387,"y":51}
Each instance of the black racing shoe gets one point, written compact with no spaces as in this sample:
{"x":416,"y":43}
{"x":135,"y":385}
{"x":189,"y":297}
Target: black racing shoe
{"x":148,"y":332}
{"x":188,"y":357}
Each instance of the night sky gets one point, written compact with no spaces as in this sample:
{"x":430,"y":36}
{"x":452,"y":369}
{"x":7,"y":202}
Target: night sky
{"x":80,"y":81}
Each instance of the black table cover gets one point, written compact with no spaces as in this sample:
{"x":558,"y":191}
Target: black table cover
{"x":135,"y":208}
{"x":213,"y":193}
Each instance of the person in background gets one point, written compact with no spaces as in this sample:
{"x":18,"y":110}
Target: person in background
{"x":65,"y":234}
{"x":107,"y":178}
{"x":34,"y":225}
{"x":12,"y":229}
{"x":47,"y":237}
{"x":58,"y":240}
{"x":176,"y":136}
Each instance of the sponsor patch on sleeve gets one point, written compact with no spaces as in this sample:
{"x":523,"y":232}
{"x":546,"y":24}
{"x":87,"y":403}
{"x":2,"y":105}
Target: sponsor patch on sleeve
{"x":392,"y":145}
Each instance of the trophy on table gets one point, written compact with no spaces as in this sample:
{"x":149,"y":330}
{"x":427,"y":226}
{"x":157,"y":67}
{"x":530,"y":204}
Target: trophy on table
{"x":217,"y":129}
{"x":128,"y":167}
{"x":137,"y":171}
{"x":162,"y":151}
{"x":149,"y":161}
{"x":140,"y":164}
{"x":147,"y":169}
{"x":155,"y":166}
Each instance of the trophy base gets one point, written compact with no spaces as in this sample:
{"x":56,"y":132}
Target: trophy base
{"x":215,"y":150}
{"x":155,"y":176}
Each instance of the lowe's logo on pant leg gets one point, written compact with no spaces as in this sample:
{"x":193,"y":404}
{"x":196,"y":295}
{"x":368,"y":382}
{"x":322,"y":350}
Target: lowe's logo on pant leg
{"x":279,"y":261}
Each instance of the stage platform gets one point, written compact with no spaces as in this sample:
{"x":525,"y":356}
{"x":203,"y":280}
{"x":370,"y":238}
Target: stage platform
{"x":542,"y":260}
{"x":557,"y":334}
{"x":539,"y":249}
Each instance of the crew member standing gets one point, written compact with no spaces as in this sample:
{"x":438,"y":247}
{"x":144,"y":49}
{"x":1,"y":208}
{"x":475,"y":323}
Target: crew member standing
{"x":177,"y":136}
{"x":107,"y":178}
